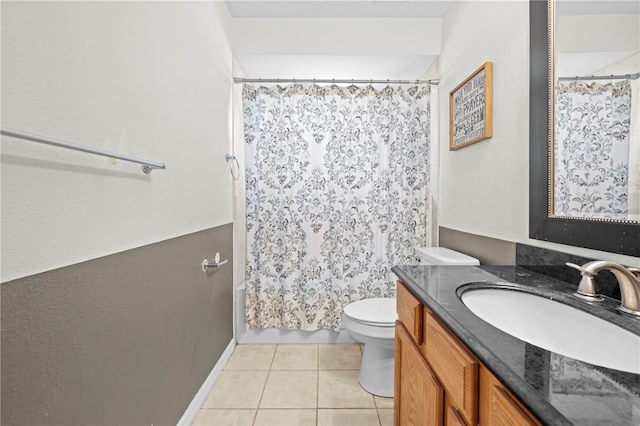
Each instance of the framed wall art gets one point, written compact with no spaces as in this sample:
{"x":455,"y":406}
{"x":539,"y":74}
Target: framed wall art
{"x":470,"y":109}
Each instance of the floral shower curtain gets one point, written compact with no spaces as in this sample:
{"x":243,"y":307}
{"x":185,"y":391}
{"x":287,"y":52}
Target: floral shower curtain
{"x":591,"y":169}
{"x":336,"y":192}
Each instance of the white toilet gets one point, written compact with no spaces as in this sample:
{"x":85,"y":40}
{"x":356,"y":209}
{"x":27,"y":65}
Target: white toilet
{"x":372,"y":322}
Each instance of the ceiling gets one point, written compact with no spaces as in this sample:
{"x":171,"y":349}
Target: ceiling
{"x":338,"y":8}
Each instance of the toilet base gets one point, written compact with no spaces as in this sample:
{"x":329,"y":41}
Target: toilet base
{"x":376,"y":370}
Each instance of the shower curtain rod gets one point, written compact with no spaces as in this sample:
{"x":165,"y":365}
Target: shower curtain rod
{"x":433,"y":82}
{"x":602,"y":77}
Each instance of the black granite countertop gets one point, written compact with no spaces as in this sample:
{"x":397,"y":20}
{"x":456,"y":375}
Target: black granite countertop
{"x":557,"y":389}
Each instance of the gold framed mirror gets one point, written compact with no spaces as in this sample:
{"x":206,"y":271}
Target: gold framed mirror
{"x":607,"y":235}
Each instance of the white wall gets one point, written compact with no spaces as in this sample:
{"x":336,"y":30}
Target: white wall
{"x":587,"y":44}
{"x":149,"y":79}
{"x":339,"y":48}
{"x":597,"y":33}
{"x":485,"y":186}
{"x":336,"y":36}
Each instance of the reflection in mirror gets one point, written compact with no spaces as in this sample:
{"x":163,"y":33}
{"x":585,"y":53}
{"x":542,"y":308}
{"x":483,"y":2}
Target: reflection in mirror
{"x":595,"y":173}
{"x":571,"y":380}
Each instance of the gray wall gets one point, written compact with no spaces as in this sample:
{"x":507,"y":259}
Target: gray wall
{"x":125,"y":339}
{"x":489,"y":251}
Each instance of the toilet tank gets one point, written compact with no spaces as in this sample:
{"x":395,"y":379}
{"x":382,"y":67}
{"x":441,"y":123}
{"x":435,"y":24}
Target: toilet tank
{"x":444,"y":256}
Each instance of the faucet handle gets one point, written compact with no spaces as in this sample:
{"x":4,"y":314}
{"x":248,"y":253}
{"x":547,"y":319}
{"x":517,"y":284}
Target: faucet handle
{"x":580,"y":268}
{"x":634,"y":271}
{"x":587,"y":288}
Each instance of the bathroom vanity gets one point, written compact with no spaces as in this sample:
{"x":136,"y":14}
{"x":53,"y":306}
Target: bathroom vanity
{"x":453,"y":368}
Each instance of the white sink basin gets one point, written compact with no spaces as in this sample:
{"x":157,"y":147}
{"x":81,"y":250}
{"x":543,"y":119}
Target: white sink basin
{"x":556,"y":327}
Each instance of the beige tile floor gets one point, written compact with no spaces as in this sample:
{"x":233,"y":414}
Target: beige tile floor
{"x":294,"y":385}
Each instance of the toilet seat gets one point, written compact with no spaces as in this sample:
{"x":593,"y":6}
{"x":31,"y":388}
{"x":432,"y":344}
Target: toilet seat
{"x":377,"y":312}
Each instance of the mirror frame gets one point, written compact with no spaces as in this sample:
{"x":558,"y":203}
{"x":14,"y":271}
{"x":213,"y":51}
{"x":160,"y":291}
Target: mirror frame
{"x":608,"y":236}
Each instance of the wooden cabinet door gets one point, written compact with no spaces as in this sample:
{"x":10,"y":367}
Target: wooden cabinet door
{"x":454,"y":365}
{"x":419,"y":397}
{"x":498,"y":407}
{"x":454,"y":418}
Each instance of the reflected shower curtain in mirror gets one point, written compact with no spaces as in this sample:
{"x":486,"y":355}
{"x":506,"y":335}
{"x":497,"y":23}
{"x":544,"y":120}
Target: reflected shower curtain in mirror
{"x":591,"y":168}
{"x":336,"y":192}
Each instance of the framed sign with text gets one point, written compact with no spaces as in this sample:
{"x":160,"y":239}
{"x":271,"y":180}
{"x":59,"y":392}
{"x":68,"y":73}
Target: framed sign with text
{"x":470,"y":105}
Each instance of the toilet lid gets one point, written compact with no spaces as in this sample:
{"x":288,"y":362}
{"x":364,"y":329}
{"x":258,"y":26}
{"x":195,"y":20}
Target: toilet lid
{"x":373,"y":311}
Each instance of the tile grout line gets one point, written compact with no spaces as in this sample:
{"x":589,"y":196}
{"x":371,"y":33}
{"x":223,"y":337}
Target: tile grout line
{"x":273,"y":358}
{"x":255,"y":416}
{"x":317,"y":385}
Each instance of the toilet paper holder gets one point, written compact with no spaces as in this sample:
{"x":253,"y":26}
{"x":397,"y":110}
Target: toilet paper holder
{"x":216,"y":263}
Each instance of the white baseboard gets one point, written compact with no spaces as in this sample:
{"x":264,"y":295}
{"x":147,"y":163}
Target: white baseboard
{"x":197,"y":401}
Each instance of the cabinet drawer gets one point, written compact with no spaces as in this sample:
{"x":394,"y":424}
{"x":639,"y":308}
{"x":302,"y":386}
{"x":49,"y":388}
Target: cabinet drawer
{"x":456,"y":368}
{"x":410,"y":313}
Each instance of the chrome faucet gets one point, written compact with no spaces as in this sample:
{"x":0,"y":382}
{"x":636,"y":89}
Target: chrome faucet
{"x":628,"y":280}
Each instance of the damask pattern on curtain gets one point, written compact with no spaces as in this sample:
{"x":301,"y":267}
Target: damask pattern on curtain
{"x":591,"y":169}
{"x":337,"y":190}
